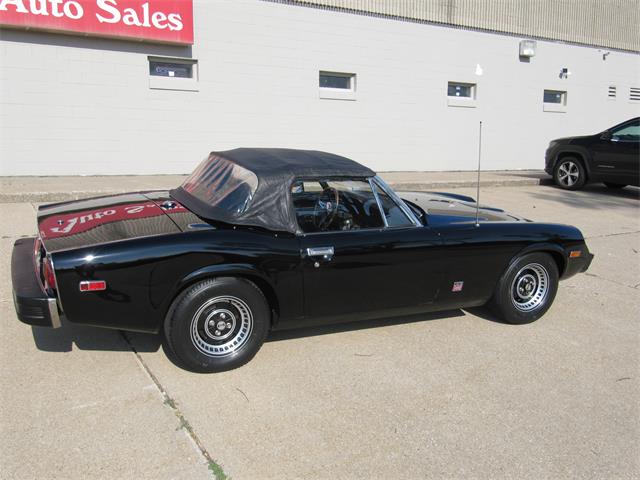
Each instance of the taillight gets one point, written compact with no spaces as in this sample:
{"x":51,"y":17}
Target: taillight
{"x":49,"y":276}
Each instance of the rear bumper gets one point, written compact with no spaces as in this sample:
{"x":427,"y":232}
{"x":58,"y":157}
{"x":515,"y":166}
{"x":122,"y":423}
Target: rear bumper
{"x":33,"y":305}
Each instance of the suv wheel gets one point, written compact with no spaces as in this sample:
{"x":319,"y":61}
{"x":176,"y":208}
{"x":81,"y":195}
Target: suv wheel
{"x":569,"y":174}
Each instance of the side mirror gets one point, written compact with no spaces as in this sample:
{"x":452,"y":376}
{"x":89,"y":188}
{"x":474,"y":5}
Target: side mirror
{"x":606,"y":135}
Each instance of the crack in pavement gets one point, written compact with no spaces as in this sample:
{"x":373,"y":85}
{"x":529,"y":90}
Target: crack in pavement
{"x":633,"y":287}
{"x":6,"y":237}
{"x":170,"y":402}
{"x":612,"y":235}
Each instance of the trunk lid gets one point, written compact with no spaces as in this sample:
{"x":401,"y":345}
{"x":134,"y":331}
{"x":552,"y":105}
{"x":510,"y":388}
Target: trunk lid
{"x":99,"y":220}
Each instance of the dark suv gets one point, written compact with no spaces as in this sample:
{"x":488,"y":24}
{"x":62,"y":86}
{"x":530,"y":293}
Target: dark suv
{"x":611,"y":157}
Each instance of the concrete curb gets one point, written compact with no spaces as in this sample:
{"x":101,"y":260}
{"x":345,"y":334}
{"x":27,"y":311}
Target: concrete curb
{"x":40,"y":197}
{"x":427,"y":186}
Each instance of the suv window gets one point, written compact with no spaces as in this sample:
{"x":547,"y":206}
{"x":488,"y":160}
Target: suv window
{"x":627,"y":133}
{"x":335,"y":205}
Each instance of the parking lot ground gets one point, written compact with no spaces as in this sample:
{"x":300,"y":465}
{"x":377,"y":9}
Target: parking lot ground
{"x":454,"y":394}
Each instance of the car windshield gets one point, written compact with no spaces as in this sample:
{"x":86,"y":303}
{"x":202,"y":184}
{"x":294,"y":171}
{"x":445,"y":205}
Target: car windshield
{"x":222,"y":184}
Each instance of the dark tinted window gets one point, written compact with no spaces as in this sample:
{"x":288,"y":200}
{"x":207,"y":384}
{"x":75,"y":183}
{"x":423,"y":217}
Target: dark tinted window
{"x":464,"y":90}
{"x":628,"y":133}
{"x":553,"y":96}
{"x":329,"y":80}
{"x":166,"y":69}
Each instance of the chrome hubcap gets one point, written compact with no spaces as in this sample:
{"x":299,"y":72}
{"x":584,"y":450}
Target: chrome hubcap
{"x":530,"y":287}
{"x":568,"y":173}
{"x":221,"y":326}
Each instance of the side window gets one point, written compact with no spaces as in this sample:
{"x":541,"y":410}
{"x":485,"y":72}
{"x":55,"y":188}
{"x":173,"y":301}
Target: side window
{"x":393,"y":213}
{"x":627,"y":133}
{"x":335,"y":205}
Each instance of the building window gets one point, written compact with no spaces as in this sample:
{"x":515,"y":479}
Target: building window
{"x":173,"y":74}
{"x":634,"y":94}
{"x":337,"y":86}
{"x":554,"y":101}
{"x":170,"y":69}
{"x":461,"y":94}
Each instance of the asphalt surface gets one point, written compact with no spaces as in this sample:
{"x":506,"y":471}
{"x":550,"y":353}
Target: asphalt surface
{"x":451,"y":395}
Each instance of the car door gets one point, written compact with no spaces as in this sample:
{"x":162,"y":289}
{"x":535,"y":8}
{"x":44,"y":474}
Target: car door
{"x":617,"y":155}
{"x":363,"y":263}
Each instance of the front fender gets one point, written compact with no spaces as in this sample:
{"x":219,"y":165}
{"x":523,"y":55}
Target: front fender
{"x":578,"y":150}
{"x":562,"y":240}
{"x":557,"y":251}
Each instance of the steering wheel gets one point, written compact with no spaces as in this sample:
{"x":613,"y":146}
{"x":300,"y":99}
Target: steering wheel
{"x":326,"y":208}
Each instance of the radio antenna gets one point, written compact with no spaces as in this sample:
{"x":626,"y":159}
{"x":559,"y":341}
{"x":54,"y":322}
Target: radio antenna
{"x":478,"y":185}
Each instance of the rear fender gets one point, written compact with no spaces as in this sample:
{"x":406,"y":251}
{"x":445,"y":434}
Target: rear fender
{"x":243,"y":270}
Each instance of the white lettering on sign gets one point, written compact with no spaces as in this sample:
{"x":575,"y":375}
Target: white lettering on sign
{"x":143,"y":18}
{"x":106,"y":11}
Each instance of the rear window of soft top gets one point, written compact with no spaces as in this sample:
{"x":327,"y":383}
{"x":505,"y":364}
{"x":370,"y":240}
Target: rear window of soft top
{"x":222,"y":184}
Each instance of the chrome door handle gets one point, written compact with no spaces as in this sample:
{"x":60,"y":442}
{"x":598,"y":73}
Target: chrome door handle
{"x":326,"y":252}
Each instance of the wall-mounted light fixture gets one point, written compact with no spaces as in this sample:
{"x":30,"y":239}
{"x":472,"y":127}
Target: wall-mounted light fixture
{"x":564,"y":73}
{"x":527,"y":48}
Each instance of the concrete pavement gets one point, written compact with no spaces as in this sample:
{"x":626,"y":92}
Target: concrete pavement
{"x":50,"y":189}
{"x":446,"y":395}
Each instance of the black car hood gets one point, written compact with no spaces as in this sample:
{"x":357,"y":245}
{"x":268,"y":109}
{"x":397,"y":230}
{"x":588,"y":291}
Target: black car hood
{"x":447,"y":208}
{"x":93,"y":221}
{"x":567,"y":140}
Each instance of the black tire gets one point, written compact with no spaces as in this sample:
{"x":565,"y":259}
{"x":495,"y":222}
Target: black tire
{"x":509,"y":302}
{"x":569,"y":173}
{"x":207,"y":318}
{"x":615,"y":185}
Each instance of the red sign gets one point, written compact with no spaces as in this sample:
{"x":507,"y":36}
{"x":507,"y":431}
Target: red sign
{"x":168,"y":21}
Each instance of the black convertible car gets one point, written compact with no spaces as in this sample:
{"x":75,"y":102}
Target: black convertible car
{"x":611,"y":157}
{"x":264,"y":239}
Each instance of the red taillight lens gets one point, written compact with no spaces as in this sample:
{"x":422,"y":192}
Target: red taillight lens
{"x":93,"y":285}
{"x":49,"y":277}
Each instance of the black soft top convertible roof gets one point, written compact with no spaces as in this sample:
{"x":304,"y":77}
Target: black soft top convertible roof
{"x":269,"y":206}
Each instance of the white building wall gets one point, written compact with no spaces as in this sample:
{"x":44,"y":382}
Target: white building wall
{"x":74,"y":105}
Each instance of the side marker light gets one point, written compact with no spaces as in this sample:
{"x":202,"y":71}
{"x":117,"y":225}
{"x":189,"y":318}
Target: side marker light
{"x":93,"y":285}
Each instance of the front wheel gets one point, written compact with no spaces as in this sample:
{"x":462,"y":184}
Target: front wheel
{"x":569,"y":174}
{"x":526,"y":290}
{"x":217,"y":324}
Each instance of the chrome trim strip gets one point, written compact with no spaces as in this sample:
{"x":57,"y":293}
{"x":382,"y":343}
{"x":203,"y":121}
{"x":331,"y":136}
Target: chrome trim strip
{"x":375,"y":195}
{"x":36,"y":262}
{"x":392,"y":194}
{"x":53,"y":312}
{"x":53,"y":270}
{"x":320,"y":251}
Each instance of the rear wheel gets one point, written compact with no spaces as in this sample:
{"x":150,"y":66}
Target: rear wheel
{"x":615,"y":185}
{"x":570,"y":174}
{"x":526,"y":290}
{"x":217,"y":324}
